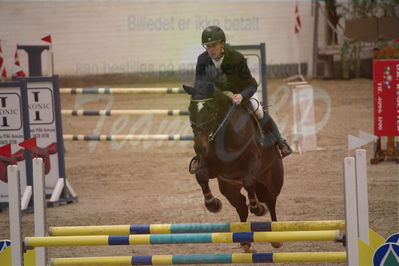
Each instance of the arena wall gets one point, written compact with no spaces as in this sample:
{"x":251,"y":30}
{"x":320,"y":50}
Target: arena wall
{"x":114,"y":37}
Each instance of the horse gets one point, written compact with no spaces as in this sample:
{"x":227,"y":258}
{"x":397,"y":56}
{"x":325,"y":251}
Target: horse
{"x":231,"y":148}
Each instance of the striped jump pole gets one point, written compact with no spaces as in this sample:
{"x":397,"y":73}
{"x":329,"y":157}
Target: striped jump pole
{"x":123,"y":112}
{"x":108,"y":240}
{"x":122,"y":91}
{"x":128,"y":137}
{"x":197,"y":228}
{"x":237,"y":258}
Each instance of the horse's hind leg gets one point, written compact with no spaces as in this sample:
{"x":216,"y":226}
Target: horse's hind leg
{"x":265,"y":196}
{"x":249,"y":183}
{"x":238,"y":201}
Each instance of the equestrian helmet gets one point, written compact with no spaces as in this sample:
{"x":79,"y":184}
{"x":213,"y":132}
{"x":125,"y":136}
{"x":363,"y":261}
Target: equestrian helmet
{"x":212,"y":34}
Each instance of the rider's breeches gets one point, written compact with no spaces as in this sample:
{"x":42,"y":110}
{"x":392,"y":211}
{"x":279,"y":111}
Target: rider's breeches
{"x":265,"y":120}
{"x":256,"y":106}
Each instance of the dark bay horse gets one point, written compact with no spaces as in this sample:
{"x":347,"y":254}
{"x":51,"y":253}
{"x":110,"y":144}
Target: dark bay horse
{"x":230,"y":148}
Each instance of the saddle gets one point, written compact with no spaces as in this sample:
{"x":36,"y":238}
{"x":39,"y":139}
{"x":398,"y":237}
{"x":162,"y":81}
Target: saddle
{"x":263,"y":136}
{"x":260,"y":133}
{"x":264,"y":129}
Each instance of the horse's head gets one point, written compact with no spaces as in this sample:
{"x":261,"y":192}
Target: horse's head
{"x":206,"y":106}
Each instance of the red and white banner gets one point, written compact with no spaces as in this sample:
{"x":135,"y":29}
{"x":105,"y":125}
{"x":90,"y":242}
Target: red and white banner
{"x":3,"y":73}
{"x":17,"y":70}
{"x":386,"y":97}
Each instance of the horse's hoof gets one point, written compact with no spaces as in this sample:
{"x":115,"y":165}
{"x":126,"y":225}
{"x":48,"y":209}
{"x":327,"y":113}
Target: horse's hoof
{"x":246,"y":246}
{"x":214,"y":206}
{"x":277,"y":244}
{"x":260,"y":210}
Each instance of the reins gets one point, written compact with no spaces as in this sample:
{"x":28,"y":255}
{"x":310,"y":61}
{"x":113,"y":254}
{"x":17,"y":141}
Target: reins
{"x":213,"y":134}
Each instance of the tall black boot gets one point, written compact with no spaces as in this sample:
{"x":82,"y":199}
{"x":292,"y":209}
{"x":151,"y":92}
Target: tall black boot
{"x":273,"y":135}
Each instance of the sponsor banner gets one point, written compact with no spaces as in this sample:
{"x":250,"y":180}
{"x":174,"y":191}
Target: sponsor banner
{"x":14,"y":128}
{"x":386,"y":97}
{"x":45,"y":125}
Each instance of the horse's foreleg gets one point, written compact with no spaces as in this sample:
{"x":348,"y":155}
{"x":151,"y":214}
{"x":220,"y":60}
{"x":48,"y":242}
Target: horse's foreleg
{"x":212,"y":204}
{"x":255,"y":207}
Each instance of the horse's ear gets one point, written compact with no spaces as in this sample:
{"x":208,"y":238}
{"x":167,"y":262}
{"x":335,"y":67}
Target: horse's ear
{"x":222,"y":96}
{"x":190,"y":90}
{"x":209,"y":90}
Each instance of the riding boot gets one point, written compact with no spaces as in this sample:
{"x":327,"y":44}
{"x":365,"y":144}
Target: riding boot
{"x":271,"y":131}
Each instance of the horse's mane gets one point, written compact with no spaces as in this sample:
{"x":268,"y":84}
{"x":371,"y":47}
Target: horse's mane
{"x":223,"y":101}
{"x":206,"y":90}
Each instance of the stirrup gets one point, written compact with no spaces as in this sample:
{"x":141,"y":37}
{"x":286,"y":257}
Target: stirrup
{"x":194,"y":165}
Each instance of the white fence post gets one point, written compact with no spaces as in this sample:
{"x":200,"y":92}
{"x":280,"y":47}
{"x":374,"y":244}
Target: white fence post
{"x":351,"y":210}
{"x":39,"y":208}
{"x":362,"y":197}
{"x":14,"y":201}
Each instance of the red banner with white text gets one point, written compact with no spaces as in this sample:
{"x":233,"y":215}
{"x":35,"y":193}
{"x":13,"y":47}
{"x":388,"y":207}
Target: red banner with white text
{"x":386,"y":97}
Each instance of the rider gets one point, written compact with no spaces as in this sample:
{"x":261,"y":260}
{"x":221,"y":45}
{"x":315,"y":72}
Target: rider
{"x":228,"y":69}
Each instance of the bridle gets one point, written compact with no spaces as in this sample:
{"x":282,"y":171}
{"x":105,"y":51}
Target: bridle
{"x":196,"y":125}
{"x":212,"y":135}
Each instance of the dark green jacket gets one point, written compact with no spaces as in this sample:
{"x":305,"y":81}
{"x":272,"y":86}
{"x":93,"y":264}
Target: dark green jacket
{"x":235,"y":75}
